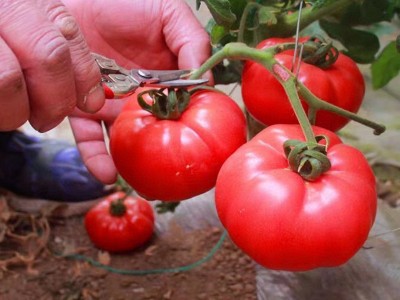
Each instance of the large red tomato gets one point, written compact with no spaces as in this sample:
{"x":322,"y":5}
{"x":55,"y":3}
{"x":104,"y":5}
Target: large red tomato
{"x":341,"y":84}
{"x":285,"y":222}
{"x":173,"y":160}
{"x":120,"y":223}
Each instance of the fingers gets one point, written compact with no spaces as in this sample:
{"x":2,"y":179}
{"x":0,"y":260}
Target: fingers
{"x":90,"y":94}
{"x":58,"y":70}
{"x":185,"y":35}
{"x":14,"y":106}
{"x":89,"y":137}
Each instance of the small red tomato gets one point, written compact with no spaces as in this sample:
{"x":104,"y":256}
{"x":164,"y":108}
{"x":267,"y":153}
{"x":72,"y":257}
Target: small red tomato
{"x":120,"y":223}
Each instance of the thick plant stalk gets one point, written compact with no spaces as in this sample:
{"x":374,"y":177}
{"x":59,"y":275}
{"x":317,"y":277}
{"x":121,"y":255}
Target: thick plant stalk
{"x":293,"y":88}
{"x":287,"y":24}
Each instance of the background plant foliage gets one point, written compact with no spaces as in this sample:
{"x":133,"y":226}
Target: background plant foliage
{"x":355,"y":26}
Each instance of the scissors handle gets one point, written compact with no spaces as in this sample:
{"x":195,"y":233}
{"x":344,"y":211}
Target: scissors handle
{"x":117,"y":82}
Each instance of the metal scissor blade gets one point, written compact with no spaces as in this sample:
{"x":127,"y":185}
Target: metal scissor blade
{"x":150,"y":76}
{"x":165,"y":78}
{"x":179,"y":83}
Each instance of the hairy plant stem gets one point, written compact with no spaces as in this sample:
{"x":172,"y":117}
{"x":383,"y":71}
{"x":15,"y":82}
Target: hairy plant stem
{"x":293,"y":88}
{"x":317,"y":103}
{"x":287,"y":23}
{"x":242,"y":25}
{"x":290,"y":86}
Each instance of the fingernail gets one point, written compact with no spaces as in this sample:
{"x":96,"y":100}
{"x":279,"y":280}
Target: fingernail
{"x":94,"y":100}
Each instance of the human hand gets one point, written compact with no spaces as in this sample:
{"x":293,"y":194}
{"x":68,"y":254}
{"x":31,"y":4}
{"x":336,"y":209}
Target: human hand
{"x":152,"y":34}
{"x":46,"y":66}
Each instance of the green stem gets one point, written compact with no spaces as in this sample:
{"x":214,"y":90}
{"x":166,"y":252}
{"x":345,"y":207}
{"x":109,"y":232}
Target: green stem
{"x":293,"y":88}
{"x":287,"y":23}
{"x":311,"y":14}
{"x":267,"y":59}
{"x":316,"y":103}
{"x":290,"y":87}
{"x":312,"y":114}
{"x":243,"y":19}
{"x":237,"y":51}
{"x":203,"y":88}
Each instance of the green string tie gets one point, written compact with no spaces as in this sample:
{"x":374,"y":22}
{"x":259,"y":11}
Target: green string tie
{"x":191,"y":266}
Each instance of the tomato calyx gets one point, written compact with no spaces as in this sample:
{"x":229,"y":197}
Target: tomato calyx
{"x":117,"y":207}
{"x":309,"y":160}
{"x":164,"y":106}
{"x":320,"y":53}
{"x":314,"y":51}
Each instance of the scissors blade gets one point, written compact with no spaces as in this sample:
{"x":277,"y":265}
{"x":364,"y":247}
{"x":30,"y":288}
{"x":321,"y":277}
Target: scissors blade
{"x":179,"y":83}
{"x":165,"y":78}
{"x":160,"y":75}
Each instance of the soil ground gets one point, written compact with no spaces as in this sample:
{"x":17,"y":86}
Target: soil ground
{"x":37,"y":273}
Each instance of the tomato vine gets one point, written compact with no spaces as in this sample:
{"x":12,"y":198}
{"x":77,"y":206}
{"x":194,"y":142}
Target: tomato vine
{"x":292,"y":86}
{"x":354,"y":24}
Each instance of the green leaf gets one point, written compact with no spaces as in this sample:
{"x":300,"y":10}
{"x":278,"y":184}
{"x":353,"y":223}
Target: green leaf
{"x":398,"y":43}
{"x":217,"y":33}
{"x":361,"y":46}
{"x":368,"y":12}
{"x":267,"y":15}
{"x":320,"y":3}
{"x":386,"y":67}
{"x":220,"y":11}
{"x":237,"y":8}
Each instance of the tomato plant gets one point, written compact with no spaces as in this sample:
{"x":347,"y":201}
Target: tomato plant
{"x":286,"y":222}
{"x":351,"y":23}
{"x":176,"y":159}
{"x":341,"y":84}
{"x":120,"y":223}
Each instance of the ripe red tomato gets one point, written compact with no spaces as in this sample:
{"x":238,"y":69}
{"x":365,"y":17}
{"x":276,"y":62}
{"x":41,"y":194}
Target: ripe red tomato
{"x":120,"y":226}
{"x":342,"y":84}
{"x":285,"y":222}
{"x":173,"y":160}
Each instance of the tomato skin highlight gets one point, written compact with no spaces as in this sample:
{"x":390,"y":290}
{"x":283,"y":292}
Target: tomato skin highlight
{"x":342,"y":84}
{"x":120,"y":233}
{"x":173,"y":160}
{"x":286,"y":223}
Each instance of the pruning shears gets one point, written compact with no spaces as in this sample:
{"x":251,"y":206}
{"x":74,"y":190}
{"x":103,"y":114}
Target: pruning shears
{"x":119,"y":82}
